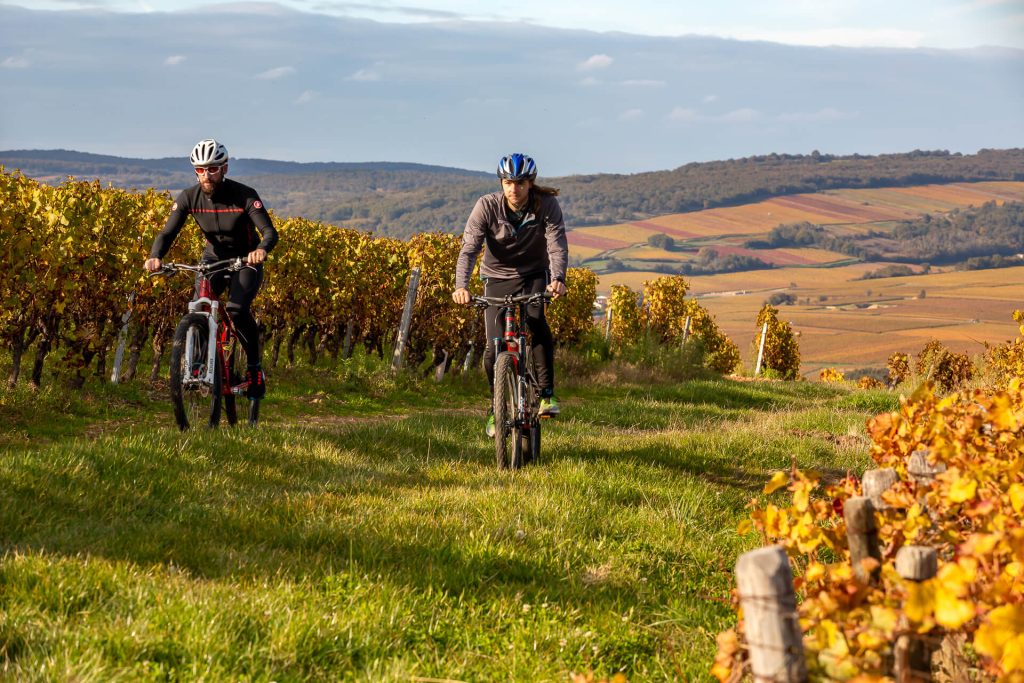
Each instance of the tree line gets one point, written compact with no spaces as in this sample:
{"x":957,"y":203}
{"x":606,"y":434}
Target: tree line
{"x":401,"y":200}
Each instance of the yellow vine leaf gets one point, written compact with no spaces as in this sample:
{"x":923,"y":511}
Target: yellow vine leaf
{"x":1016,"y":493}
{"x":884,"y":618}
{"x":963,"y":489}
{"x":1001,"y":637}
{"x":778,"y":480}
{"x":950,"y":611}
{"x":920,"y":602}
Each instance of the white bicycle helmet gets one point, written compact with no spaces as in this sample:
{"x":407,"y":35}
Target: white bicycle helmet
{"x":209,"y":152}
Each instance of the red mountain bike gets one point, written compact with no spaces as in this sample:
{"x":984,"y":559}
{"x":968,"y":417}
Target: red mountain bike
{"x":516,"y":391}
{"x":207,"y":360}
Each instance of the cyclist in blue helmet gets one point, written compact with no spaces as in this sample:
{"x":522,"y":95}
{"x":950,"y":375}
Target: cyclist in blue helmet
{"x":522,"y":235}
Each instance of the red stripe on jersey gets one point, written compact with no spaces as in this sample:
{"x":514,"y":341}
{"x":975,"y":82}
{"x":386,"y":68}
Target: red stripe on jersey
{"x":217,"y":210}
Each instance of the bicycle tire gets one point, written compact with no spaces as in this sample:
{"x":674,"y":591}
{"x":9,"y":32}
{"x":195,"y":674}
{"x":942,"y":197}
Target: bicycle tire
{"x":191,"y":403}
{"x":235,"y":375}
{"x":507,"y":444}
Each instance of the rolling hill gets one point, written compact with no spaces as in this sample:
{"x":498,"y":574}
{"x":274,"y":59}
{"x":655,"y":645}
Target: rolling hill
{"x":403,"y":199}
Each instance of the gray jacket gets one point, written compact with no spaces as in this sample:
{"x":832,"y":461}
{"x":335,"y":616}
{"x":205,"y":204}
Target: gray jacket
{"x":537,"y":245}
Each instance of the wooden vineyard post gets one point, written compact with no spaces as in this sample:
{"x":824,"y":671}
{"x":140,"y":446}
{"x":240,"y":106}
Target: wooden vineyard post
{"x":122,"y":339}
{"x":346,"y":350}
{"x":877,"y":482}
{"x":862,"y":534}
{"x":765,"y":584}
{"x":913,"y":653}
{"x":760,"y":350}
{"x":403,"y":328}
{"x":468,"y":363}
{"x":920,"y":470}
{"x":608,"y":322}
{"x":686,"y":329}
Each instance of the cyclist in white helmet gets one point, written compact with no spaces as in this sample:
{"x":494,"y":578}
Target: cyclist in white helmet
{"x":522,"y":234}
{"x":236,"y":224}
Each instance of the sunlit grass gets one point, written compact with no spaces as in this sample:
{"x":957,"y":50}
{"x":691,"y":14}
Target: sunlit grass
{"x":363,"y":532}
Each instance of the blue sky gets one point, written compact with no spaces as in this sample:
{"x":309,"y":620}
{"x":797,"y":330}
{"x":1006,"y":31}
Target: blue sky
{"x":441,"y":83}
{"x":853,"y":23}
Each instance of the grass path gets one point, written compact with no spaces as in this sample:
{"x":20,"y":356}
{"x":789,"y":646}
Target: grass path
{"x":363,"y":532}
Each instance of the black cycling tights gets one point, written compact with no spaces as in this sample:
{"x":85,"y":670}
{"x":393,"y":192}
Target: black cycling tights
{"x":543,"y":346}
{"x":242,"y":290}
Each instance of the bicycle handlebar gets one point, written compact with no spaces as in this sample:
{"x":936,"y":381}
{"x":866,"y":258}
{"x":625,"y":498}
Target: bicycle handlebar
{"x":232,"y":264}
{"x":510,"y":300}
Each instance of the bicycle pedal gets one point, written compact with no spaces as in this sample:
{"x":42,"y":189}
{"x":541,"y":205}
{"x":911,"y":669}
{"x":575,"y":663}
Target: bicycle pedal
{"x":548,"y":417}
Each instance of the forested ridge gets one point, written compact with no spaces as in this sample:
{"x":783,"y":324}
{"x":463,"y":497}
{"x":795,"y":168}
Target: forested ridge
{"x":404,"y":199}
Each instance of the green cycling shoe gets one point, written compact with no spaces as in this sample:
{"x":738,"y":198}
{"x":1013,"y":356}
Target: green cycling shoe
{"x":549,"y":406}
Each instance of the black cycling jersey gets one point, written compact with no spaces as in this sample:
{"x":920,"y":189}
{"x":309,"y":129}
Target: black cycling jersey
{"x":229,"y":219}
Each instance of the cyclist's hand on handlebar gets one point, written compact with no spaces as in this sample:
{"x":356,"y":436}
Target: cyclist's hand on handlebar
{"x":557,"y":288}
{"x":152,"y":265}
{"x":461,"y":296}
{"x":256,"y":256}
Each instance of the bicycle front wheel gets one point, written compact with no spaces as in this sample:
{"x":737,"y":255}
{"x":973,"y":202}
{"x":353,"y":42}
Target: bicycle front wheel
{"x":195,"y":401}
{"x":507,"y":445}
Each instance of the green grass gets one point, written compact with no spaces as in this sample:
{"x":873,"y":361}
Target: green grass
{"x":363,"y":532}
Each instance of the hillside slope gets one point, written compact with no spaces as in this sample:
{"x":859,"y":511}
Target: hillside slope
{"x":403,"y":199}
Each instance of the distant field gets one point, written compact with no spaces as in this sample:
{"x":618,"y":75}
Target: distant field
{"x":848,"y":323}
{"x":843,"y":321}
{"x":846,"y":211}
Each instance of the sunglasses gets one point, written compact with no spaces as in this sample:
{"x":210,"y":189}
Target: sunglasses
{"x":213,"y":170}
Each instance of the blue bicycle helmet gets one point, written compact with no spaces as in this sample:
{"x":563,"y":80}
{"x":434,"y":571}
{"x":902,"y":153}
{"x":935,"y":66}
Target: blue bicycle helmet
{"x":517,"y":167}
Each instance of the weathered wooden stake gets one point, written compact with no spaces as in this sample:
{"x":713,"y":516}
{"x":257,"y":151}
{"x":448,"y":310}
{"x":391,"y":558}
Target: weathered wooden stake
{"x":920,"y":470}
{"x":765,"y":584}
{"x":760,"y":350}
{"x":346,"y":351}
{"x":403,"y":330}
{"x":122,"y":339}
{"x":877,"y":482}
{"x":608,"y":322}
{"x":468,"y":363}
{"x":913,"y":654}
{"x":686,"y":329}
{"x":862,"y":535}
{"x":440,"y":369}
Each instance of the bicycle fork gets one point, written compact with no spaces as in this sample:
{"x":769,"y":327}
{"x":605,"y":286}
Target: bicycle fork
{"x":191,"y":341}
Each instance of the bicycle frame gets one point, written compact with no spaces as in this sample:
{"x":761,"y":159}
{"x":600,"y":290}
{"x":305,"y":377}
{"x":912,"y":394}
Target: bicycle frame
{"x":515,"y":342}
{"x":221,"y":333}
{"x":208,"y":305}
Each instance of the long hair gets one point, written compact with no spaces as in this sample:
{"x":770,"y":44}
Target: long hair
{"x":535,"y":194}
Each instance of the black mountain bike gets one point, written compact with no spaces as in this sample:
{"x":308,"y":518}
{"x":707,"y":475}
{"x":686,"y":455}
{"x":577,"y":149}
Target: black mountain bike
{"x":516,"y":391}
{"x":208,"y":363}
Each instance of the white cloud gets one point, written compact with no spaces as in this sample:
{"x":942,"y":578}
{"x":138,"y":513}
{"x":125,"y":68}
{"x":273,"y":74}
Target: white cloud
{"x":740,"y":115}
{"x":15,"y":63}
{"x":846,"y":37}
{"x":365,"y":75}
{"x":596,"y":62}
{"x":687,"y":115}
{"x":684,"y":115}
{"x":708,"y":99}
{"x":589,"y":81}
{"x":306,"y":97}
{"x":825,"y":114}
{"x":631,"y":115}
{"x":643,"y":82}
{"x":275,"y":73}
{"x":174,"y":60}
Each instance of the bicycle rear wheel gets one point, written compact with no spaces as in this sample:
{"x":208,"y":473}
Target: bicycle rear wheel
{"x":194,"y":400}
{"x":237,"y":373}
{"x":507,"y":441}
